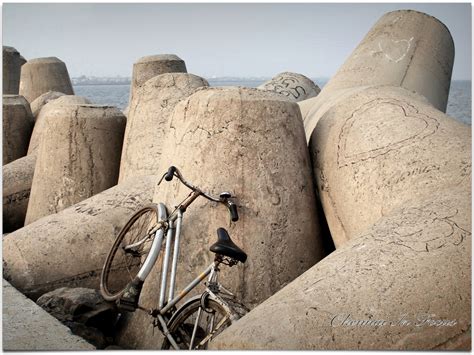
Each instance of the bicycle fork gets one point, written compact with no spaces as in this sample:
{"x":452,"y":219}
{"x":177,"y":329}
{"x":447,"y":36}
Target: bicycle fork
{"x":131,"y":295}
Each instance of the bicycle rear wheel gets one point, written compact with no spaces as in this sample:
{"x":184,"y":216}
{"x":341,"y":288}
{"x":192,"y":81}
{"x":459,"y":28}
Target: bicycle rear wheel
{"x":213,"y":319}
{"x":122,"y":265}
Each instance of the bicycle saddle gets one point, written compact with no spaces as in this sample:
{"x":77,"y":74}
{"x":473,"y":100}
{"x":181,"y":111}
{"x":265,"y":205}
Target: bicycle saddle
{"x":225,"y":246}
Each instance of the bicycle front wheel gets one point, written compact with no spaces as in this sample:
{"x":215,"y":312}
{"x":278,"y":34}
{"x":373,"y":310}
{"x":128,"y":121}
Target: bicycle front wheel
{"x":123,"y":262}
{"x":194,"y":326}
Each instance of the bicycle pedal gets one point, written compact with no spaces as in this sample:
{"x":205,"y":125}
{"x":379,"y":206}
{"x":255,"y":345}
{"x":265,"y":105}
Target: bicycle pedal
{"x":129,"y":299}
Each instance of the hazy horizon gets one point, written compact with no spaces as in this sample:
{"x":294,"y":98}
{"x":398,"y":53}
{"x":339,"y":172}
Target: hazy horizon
{"x":214,"y":39}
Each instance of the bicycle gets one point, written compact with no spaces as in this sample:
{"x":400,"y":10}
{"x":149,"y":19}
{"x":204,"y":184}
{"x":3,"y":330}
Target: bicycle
{"x":137,"y":248}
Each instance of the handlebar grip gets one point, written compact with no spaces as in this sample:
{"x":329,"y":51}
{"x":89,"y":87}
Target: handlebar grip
{"x":234,"y":216}
{"x":169,"y":175}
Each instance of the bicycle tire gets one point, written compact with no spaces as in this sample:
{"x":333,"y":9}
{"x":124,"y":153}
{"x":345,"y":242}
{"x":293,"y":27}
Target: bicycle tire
{"x":182,"y":324}
{"x":121,"y":267}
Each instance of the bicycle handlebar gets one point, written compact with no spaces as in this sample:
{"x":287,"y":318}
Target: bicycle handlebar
{"x":169,"y":174}
{"x":173,"y":171}
{"x":233,"y":212}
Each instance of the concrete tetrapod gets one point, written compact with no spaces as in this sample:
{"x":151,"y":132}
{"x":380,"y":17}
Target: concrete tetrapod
{"x":403,"y":284}
{"x":69,"y":248}
{"x":51,"y":110}
{"x":380,"y":148}
{"x":404,"y":48}
{"x":251,"y":143}
{"x":27,"y":327}
{"x":42,"y":100}
{"x":78,"y":157}
{"x":148,"y":67}
{"x":147,"y":123}
{"x":17,"y":179}
{"x":17,"y":127}
{"x":12,"y":62}
{"x":41,"y":75}
{"x":293,"y":86}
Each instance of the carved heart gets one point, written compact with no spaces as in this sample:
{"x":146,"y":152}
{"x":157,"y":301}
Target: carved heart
{"x":380,"y":126}
{"x":395,"y":50}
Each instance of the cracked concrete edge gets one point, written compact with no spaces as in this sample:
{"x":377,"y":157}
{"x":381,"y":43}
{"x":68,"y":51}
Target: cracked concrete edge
{"x":27,"y":327}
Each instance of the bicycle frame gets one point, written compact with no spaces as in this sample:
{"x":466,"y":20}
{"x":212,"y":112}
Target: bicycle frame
{"x":172,"y":226}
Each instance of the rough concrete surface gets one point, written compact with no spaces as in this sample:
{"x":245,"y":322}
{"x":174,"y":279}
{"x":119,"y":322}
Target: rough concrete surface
{"x":404,"y":48}
{"x":41,"y":75}
{"x":293,"y":86}
{"x":12,"y":62}
{"x":52,"y":110}
{"x":251,"y":143}
{"x":147,"y":123}
{"x":78,"y":157}
{"x":148,"y":67}
{"x":17,"y":127}
{"x":42,"y":100}
{"x":69,"y":248}
{"x":380,"y":148}
{"x":27,"y":327}
{"x":17,"y":178}
{"x":403,"y":284}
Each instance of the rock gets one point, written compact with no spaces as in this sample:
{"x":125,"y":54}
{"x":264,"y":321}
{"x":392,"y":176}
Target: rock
{"x":17,"y":127}
{"x":251,"y":143}
{"x":42,"y":100}
{"x":53,"y":106}
{"x":12,"y":62}
{"x":80,"y":304}
{"x":147,"y":123}
{"x":78,"y":157}
{"x":84,"y":311}
{"x":69,"y":248}
{"x":404,"y":48}
{"x":293,"y":86}
{"x":27,"y":327}
{"x":41,"y":75}
{"x":17,"y":179}
{"x":402,"y":284}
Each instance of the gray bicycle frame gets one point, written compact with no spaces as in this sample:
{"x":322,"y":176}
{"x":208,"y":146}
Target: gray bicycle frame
{"x":173,"y":236}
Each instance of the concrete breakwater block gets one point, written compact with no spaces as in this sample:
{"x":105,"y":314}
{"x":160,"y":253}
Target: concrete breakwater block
{"x":147,"y":123}
{"x":295,"y":87}
{"x":12,"y":62}
{"x":42,"y":100}
{"x":27,"y":327}
{"x":78,"y":157}
{"x":41,"y":75}
{"x":404,"y":48}
{"x":16,"y":183}
{"x":403,"y":284}
{"x":380,"y":148}
{"x":52,"y":111}
{"x":251,"y":143}
{"x":148,"y":67}
{"x":69,"y":248}
{"x":17,"y":127}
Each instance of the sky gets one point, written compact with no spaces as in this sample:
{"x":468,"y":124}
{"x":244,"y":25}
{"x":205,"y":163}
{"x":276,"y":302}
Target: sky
{"x":214,"y":39}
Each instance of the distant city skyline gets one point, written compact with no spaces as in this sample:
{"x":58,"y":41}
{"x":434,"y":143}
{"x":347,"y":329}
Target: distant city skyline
{"x":214,"y":39}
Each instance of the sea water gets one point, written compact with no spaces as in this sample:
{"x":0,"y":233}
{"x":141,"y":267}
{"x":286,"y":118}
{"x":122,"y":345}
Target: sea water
{"x":459,"y":102}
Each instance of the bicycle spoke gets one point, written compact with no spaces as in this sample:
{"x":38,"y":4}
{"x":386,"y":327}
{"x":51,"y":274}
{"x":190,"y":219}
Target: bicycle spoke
{"x":211,"y":334}
{"x":196,"y":324}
